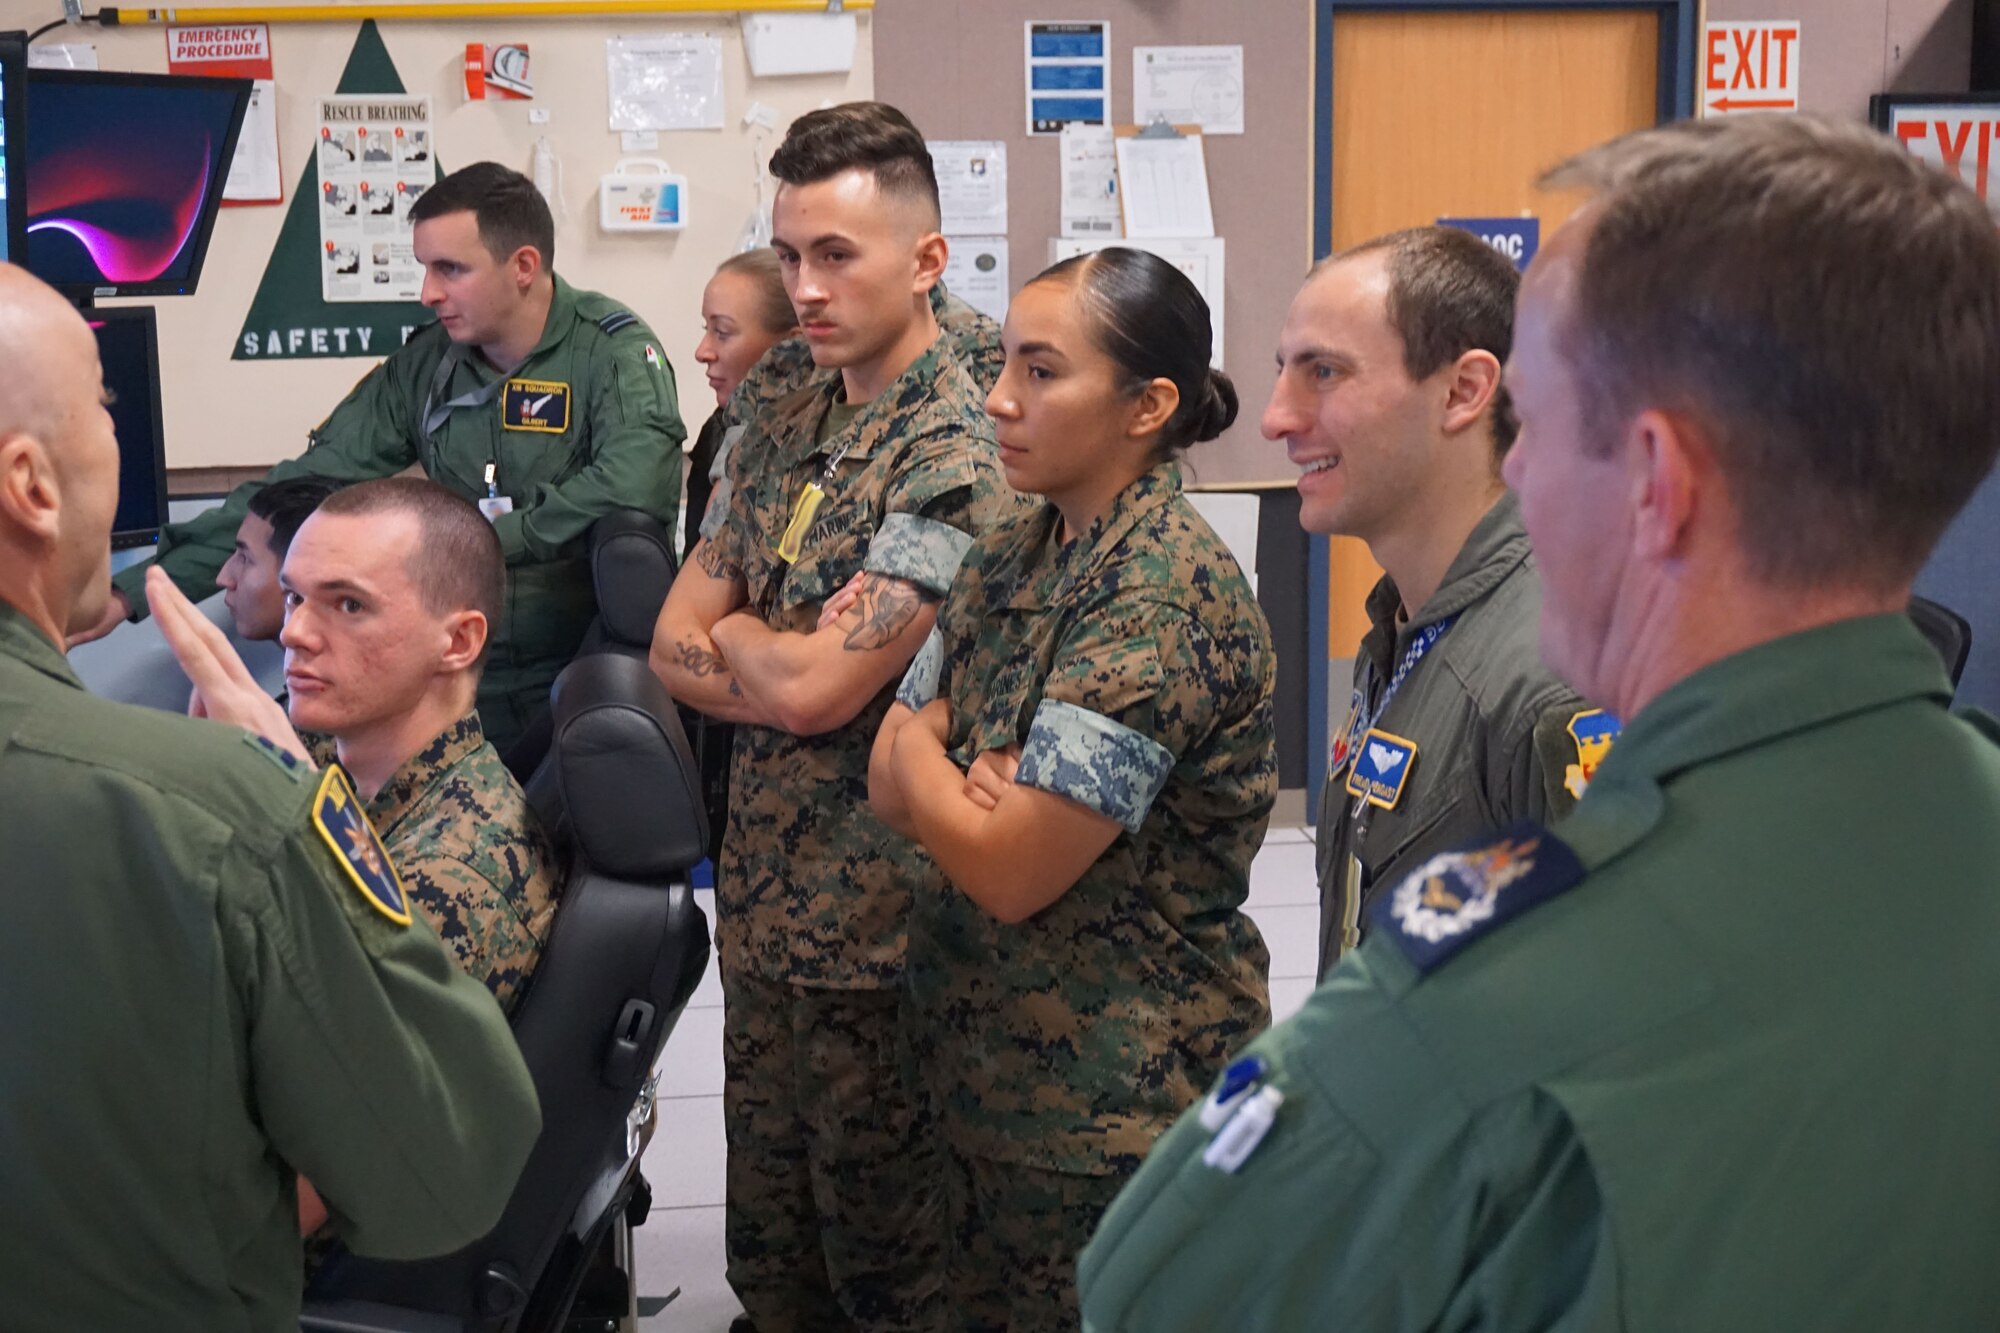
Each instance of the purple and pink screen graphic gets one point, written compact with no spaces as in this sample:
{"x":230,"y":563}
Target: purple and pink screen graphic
{"x":116,"y":177}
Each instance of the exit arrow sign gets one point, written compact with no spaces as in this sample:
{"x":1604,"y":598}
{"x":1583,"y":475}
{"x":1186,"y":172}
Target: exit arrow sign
{"x":1750,"y":67}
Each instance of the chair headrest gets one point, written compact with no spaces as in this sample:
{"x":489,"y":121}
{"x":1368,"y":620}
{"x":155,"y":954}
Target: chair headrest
{"x":632,"y":566}
{"x":629,"y":786}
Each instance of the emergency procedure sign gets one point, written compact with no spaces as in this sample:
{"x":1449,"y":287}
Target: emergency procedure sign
{"x":1748,"y":67}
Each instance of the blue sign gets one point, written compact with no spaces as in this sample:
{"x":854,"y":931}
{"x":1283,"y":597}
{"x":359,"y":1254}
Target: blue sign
{"x":1516,"y":238}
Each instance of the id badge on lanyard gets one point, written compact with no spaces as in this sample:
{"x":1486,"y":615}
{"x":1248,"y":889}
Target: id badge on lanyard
{"x":791,"y":542}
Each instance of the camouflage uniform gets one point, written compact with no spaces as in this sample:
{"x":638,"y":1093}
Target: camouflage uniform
{"x":1135,"y":670}
{"x":832,"y":1216}
{"x":472,"y":855}
{"x":972,"y":338}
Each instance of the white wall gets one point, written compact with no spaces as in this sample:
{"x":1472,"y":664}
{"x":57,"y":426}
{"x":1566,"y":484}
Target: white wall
{"x":223,"y":413}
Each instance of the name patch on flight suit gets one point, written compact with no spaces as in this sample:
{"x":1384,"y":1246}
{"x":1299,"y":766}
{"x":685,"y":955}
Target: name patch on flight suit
{"x":1382,"y":765}
{"x":336,"y":813}
{"x":1457,"y":896}
{"x":541,"y":405}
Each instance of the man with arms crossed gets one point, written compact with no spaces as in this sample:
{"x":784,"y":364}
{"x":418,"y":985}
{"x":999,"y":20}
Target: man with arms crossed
{"x":211,"y":978}
{"x":1714,"y":1052}
{"x":881,"y":465}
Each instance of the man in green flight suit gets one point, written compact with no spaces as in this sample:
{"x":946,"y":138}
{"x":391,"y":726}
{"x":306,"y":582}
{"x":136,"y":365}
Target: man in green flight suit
{"x":548,"y":406}
{"x":210,"y":977}
{"x":1715,"y":1051}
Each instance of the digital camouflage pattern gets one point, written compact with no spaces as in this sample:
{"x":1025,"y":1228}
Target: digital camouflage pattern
{"x":973,"y":339}
{"x":618,"y":447}
{"x":473,"y":857}
{"x":839,"y":1228}
{"x":1070,"y":1041}
{"x":812,"y":888}
{"x":1016,"y":1233}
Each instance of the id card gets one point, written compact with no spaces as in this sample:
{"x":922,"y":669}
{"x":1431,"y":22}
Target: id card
{"x":1382,"y":765}
{"x":793,"y":539}
{"x":495,"y":505}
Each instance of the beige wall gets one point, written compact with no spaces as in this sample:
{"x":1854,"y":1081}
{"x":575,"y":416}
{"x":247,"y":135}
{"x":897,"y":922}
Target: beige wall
{"x":1851,"y":49}
{"x":222,"y":412}
{"x":956,"y":67}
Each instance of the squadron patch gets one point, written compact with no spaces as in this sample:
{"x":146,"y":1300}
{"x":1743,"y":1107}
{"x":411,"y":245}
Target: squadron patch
{"x":1593,"y":731}
{"x":538,"y":405}
{"x":337,"y":814}
{"x":1457,"y":896}
{"x":1343,"y":744}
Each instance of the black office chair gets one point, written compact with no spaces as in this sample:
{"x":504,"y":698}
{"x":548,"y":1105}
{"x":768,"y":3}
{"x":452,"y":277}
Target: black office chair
{"x":1948,"y":632}
{"x":632,"y":565}
{"x":619,"y":795}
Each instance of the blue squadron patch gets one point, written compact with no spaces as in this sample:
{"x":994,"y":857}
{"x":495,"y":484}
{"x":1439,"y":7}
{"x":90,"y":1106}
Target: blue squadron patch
{"x":537,"y":405}
{"x":336,"y":813}
{"x":1593,"y":731}
{"x":1382,"y":765}
{"x":1458,"y":896}
{"x":284,"y":759}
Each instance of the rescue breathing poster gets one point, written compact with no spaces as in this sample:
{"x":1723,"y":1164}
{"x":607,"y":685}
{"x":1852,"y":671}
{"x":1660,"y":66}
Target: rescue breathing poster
{"x":375,"y":162}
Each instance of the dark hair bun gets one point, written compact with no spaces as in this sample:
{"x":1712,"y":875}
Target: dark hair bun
{"x":1217,"y":411}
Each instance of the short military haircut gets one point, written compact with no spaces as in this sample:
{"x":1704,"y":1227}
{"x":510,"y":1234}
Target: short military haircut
{"x":860,"y":136}
{"x":510,"y":210}
{"x":458,"y":565}
{"x":1822,"y":305}
{"x":761,"y":266}
{"x":288,"y":503}
{"x":1449,"y":293}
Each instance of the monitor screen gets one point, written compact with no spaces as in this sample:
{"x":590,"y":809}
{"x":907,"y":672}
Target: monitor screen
{"x":13,"y":142}
{"x":128,"y":345}
{"x":124,"y":174}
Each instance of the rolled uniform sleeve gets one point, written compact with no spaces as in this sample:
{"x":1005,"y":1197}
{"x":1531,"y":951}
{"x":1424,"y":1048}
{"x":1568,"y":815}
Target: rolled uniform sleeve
{"x":924,"y":681}
{"x":1127,"y":697}
{"x":369,"y":434}
{"x":635,"y":434}
{"x":929,"y":513}
{"x":383,"y":1074}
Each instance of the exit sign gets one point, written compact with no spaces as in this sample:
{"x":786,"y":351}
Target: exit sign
{"x":1750,"y":67}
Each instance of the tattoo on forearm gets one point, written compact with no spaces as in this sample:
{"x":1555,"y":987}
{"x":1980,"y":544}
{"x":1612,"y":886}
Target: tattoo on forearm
{"x":886,"y":606}
{"x":698,"y":661}
{"x":714,"y":563}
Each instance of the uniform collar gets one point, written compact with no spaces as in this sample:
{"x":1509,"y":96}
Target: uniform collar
{"x":1048,"y":581}
{"x":562,"y":313}
{"x":803,"y":410}
{"x":1496,"y":546}
{"x":421,"y":773}
{"x":1762,"y":694}
{"x":21,"y":638}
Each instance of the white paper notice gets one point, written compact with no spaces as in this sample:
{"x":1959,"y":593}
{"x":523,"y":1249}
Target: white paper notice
{"x":1201,"y":260}
{"x":972,"y":185}
{"x":253,"y":172}
{"x":375,"y":160}
{"x":1068,"y":75}
{"x":1233,"y":515}
{"x":1164,"y":184}
{"x":63,"y":55}
{"x":976,"y":273}
{"x":669,"y":82}
{"x":1090,"y":182}
{"x":1189,"y":85}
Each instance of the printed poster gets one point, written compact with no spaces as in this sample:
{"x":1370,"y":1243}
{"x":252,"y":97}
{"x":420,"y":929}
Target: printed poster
{"x":375,"y":161}
{"x":238,"y":51}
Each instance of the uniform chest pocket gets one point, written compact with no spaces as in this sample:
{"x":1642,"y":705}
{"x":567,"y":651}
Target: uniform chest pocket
{"x":541,"y":458}
{"x":1437,"y":812}
{"x":833,"y":552}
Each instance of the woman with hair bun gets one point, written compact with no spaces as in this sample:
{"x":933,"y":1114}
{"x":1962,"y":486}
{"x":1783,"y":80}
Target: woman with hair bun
{"x":1085,"y":748}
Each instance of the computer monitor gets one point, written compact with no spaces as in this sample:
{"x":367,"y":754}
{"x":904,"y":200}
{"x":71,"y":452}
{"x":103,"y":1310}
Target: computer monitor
{"x":128,"y":344}
{"x":13,"y":143}
{"x":124,"y":175}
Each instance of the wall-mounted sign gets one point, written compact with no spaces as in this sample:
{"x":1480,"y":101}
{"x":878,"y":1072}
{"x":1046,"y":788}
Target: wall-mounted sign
{"x":1749,"y":67}
{"x":1516,"y":238}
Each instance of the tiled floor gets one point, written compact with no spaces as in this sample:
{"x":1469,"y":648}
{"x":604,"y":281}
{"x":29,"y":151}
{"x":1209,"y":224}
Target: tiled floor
{"x":680,"y":1247}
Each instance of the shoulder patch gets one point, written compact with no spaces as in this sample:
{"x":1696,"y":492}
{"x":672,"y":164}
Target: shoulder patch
{"x":1457,"y":897}
{"x":284,"y":759}
{"x":1594,"y":731}
{"x":337,"y":814}
{"x":616,"y":320}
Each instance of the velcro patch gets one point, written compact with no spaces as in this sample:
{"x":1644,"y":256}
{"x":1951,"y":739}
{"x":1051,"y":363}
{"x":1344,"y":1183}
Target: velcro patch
{"x":1459,"y":896}
{"x":337,"y":814}
{"x":541,"y":405}
{"x":1594,"y":732}
{"x":284,"y":759}
{"x":1382,"y":765}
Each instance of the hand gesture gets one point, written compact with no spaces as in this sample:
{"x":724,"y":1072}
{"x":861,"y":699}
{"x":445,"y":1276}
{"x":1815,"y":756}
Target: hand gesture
{"x":224,"y":689}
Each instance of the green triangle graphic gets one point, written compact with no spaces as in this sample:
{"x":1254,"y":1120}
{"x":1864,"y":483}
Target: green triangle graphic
{"x":288,"y":319}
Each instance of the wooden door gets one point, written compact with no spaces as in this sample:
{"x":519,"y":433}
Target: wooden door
{"x":1453,"y":113}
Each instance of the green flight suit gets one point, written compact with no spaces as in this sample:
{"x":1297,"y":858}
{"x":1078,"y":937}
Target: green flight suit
{"x":198,"y":1002}
{"x":1490,"y":724}
{"x":590,"y":425}
{"x":1715,"y":1053}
